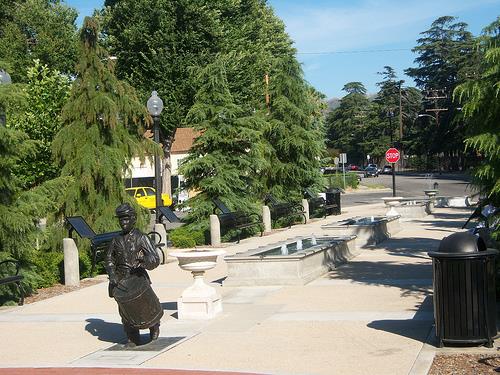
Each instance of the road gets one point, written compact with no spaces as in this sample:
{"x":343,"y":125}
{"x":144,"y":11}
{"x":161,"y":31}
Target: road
{"x":407,"y":185}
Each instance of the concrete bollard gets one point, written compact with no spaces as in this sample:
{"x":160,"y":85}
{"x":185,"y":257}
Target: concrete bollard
{"x":162,"y":251}
{"x":305,"y":208}
{"x":214,"y":230}
{"x":71,"y":263}
{"x":266,"y":219}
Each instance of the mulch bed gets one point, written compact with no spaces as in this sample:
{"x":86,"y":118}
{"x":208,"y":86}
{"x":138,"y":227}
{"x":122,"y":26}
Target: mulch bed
{"x":58,"y":289}
{"x":465,"y":364}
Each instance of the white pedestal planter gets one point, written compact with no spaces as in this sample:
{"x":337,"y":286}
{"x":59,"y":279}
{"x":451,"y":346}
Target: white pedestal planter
{"x":199,"y":301}
{"x":392,"y":202}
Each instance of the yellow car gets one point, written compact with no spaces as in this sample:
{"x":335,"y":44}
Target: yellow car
{"x":146,"y":196}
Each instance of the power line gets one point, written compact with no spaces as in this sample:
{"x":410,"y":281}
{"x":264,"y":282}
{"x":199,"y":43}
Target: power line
{"x":360,"y":51}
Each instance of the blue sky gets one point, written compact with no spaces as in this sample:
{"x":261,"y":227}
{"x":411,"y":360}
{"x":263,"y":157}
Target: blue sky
{"x":340,"y":41}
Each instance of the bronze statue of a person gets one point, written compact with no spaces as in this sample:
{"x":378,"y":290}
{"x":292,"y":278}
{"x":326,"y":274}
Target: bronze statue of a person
{"x":128,"y":257}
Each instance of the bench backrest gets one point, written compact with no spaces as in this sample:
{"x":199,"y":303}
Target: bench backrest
{"x":168,"y":214}
{"x":221,"y":206}
{"x":80,"y":226}
{"x":270,"y":199}
{"x":308,"y":194}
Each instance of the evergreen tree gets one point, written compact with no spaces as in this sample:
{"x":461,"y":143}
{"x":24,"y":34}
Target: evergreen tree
{"x":226,"y":157}
{"x":446,"y":57}
{"x":293,"y":133}
{"x":20,"y":211}
{"x":347,"y":124}
{"x":101,"y":133}
{"x":481,"y":110}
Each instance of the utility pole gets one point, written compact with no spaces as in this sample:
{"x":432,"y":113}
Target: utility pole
{"x":400,"y":114}
{"x":435,"y":95}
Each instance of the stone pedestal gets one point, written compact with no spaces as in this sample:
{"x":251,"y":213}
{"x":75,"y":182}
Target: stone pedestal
{"x":431,"y":194}
{"x":199,"y":301}
{"x":71,"y":263}
{"x":214,"y":231}
{"x":266,"y":218}
{"x":392,"y":202}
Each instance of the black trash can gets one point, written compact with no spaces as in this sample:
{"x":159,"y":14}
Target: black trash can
{"x":464,"y":290}
{"x":333,"y":201}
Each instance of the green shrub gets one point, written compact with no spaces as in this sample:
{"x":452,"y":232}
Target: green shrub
{"x":187,"y":236}
{"x":49,"y":268}
{"x":337,"y":180}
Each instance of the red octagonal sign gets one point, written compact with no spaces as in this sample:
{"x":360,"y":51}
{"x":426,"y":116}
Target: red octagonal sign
{"x":392,"y":155}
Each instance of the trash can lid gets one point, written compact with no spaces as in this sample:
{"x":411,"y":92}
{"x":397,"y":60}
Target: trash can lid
{"x":462,"y":242}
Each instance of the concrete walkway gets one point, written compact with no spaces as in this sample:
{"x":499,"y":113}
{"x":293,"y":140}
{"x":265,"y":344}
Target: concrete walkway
{"x":372,"y":315}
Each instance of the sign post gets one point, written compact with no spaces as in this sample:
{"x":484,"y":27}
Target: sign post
{"x":392,"y":156}
{"x":343,"y":160}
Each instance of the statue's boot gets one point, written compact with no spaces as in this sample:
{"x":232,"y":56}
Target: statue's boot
{"x":154,"y":331}
{"x":133,"y":335}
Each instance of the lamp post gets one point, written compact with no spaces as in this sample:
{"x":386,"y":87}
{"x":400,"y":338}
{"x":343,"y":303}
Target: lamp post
{"x":4,"y":80}
{"x":155,"y":106}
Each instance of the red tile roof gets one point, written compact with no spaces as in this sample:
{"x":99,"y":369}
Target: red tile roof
{"x":183,"y":140}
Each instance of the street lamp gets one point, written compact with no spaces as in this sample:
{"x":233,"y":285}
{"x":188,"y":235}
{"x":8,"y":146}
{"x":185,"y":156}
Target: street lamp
{"x":431,"y":116}
{"x":155,"y":106}
{"x":4,"y":80}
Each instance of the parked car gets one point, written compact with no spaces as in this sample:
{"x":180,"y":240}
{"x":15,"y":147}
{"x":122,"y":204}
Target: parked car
{"x":387,"y":169}
{"x":353,"y":167}
{"x":146,"y":196}
{"x":371,"y":172}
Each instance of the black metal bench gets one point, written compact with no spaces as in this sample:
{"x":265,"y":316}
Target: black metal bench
{"x":288,"y":210}
{"x":318,"y":203}
{"x":236,"y":219}
{"x":98,"y":242}
{"x":12,"y":277}
{"x":169,"y":215}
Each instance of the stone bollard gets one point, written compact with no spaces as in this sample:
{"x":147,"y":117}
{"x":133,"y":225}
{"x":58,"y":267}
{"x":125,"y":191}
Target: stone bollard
{"x":214,"y":231}
{"x":71,"y":263}
{"x":305,"y":207}
{"x":266,"y":219}
{"x":162,"y":250}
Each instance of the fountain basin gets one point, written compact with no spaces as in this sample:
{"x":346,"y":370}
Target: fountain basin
{"x":272,"y":265}
{"x":413,"y":209}
{"x":369,"y":231}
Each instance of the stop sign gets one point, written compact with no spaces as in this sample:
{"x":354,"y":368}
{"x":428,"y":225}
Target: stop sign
{"x":392,"y":155}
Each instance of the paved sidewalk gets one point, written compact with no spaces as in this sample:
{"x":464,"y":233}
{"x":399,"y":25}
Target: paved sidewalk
{"x":372,"y":315}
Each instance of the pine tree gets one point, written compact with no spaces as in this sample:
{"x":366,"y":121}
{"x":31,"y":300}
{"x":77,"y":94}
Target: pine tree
{"x":481,"y":109}
{"x":346,"y":125}
{"x":293,"y":133}
{"x":225,"y":159}
{"x":20,"y":211}
{"x":102,"y":131}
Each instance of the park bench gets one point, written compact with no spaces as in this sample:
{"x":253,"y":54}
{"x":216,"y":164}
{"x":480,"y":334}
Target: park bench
{"x":169,"y":215}
{"x":9,"y":276}
{"x":319,"y":203}
{"x":236,"y":219}
{"x":98,"y":242}
{"x":284,"y":209}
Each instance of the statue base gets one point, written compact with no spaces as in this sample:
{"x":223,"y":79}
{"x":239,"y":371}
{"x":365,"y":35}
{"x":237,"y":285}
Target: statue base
{"x":199,"y":301}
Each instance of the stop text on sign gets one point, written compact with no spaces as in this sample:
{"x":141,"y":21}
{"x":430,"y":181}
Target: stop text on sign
{"x":392,"y":155}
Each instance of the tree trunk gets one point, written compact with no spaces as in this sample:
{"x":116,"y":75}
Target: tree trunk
{"x":166,"y":173}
